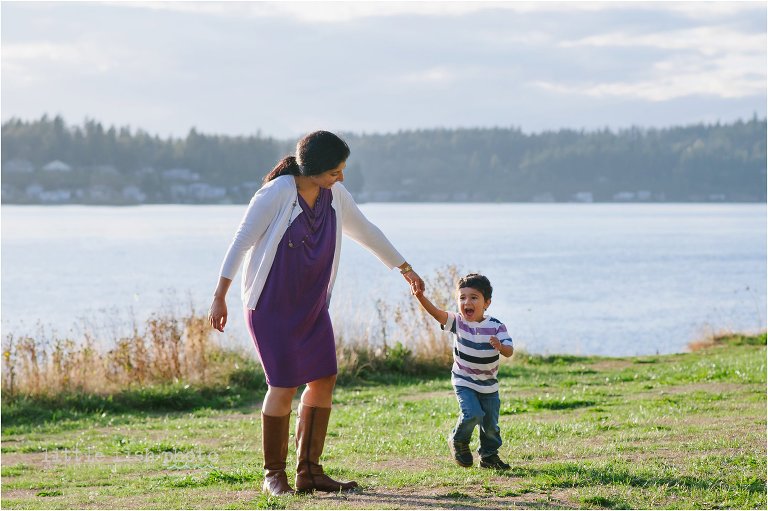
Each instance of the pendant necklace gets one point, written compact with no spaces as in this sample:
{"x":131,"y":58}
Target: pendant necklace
{"x":311,"y":225}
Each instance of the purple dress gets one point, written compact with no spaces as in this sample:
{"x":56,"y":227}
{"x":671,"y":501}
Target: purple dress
{"x":291,"y":326}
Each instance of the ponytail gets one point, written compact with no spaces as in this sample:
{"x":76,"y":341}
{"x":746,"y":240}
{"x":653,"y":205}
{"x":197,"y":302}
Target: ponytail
{"x":319,"y":152}
{"x":285,"y":166}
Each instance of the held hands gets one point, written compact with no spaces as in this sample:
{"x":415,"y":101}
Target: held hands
{"x":417,"y":285}
{"x":217,"y":314}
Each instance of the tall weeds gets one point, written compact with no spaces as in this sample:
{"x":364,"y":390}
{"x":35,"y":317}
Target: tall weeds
{"x":166,"y":349}
{"x":406,"y":339}
{"x":171,"y":348}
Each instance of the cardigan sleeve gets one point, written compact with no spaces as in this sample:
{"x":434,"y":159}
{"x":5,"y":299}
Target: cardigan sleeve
{"x":263,"y":209}
{"x":356,"y":226}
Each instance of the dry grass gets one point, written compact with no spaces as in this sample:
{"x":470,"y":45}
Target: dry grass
{"x":166,"y":349}
{"x":171,"y":347}
{"x":724,"y":338}
{"x":406,"y":338}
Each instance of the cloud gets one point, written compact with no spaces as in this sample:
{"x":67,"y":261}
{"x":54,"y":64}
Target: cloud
{"x":321,"y":11}
{"x":28,"y":60}
{"x":233,"y":67}
{"x":430,"y":76}
{"x":709,"y":10}
{"x":676,"y":78}
{"x":707,"y":40}
{"x":709,"y":60}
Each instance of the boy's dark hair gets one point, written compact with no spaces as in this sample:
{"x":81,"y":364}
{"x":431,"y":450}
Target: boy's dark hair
{"x":477,"y":281}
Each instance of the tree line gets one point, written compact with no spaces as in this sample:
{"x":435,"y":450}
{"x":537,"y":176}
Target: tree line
{"x":97,"y":164}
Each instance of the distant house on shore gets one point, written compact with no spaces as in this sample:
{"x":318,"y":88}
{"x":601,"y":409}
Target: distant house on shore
{"x":33,"y":191}
{"x":543,"y":197}
{"x":206,"y":192}
{"x":18,"y":166}
{"x":133,"y":193}
{"x":624,"y":196}
{"x":582,"y":197}
{"x":644,"y":195}
{"x":248,"y":188}
{"x":57,"y":166}
{"x":180,"y":175}
{"x":57,"y":195}
{"x":100,"y":193}
{"x":104,"y":170}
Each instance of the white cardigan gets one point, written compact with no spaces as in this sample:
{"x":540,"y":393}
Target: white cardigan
{"x":267,"y":219}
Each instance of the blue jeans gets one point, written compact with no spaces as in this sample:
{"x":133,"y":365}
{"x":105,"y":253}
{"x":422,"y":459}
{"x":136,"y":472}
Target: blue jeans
{"x":478,"y":409}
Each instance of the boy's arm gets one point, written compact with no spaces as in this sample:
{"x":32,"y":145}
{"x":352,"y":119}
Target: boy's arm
{"x":504,"y":349}
{"x":440,"y":315}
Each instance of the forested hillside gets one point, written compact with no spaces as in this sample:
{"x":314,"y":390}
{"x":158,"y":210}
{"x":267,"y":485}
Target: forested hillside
{"x":48,"y":161}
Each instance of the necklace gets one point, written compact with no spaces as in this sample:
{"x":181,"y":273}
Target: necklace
{"x":311,"y":225}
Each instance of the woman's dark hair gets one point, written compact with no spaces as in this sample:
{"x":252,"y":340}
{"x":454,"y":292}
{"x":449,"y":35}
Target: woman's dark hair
{"x":477,"y":281}
{"x":318,"y":152}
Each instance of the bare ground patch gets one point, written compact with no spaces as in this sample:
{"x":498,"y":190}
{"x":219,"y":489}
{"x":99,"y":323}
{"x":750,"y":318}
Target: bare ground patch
{"x":19,"y":493}
{"x":404,"y":464}
{"x":610,"y":365}
{"x":32,"y":459}
{"x":440,"y":498}
{"x":712,"y":387}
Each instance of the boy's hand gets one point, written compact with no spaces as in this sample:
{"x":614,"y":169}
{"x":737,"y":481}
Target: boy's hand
{"x":440,"y":315}
{"x":504,"y":349}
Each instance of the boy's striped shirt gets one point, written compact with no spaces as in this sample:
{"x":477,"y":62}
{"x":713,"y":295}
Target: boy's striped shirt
{"x":475,"y":361}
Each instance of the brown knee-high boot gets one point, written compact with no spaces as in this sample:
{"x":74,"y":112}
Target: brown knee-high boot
{"x":274,"y":441}
{"x":311,"y":428}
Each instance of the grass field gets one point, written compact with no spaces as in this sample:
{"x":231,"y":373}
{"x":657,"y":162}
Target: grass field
{"x":683,"y":431}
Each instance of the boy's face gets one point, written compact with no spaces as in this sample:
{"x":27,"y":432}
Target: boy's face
{"x":471,"y":303}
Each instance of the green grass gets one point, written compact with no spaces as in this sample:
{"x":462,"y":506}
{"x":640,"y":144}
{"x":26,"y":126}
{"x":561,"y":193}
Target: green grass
{"x":684,"y":431}
{"x":68,"y":409}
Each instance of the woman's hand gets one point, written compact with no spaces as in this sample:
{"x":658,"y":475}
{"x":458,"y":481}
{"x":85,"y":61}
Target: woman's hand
{"x":217,"y":314}
{"x":417,"y":285}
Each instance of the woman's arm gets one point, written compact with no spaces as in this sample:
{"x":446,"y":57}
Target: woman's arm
{"x":217,"y":314}
{"x":364,"y":232}
{"x":262,"y":210}
{"x":355,"y":225}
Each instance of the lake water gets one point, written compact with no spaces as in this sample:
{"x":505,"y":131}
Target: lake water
{"x":608,"y":279}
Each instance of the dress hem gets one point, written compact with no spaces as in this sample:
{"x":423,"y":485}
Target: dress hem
{"x":302,"y":383}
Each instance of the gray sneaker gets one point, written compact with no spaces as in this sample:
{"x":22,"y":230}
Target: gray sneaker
{"x":461,"y":454}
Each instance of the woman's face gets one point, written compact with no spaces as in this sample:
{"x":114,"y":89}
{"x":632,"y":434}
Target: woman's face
{"x":330,"y":177}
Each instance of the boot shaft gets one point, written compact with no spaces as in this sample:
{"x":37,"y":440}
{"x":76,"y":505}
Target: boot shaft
{"x":274,"y":440}
{"x":311,"y":429}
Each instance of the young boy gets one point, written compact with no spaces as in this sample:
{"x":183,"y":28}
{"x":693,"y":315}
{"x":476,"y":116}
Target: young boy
{"x":477,"y":343}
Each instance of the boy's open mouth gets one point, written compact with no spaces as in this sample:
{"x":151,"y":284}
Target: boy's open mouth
{"x":468,"y":311}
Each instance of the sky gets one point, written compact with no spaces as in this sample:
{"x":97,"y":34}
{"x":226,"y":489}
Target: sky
{"x":282,"y":69}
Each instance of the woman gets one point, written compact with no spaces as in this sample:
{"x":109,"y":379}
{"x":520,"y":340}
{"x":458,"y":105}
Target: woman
{"x":290,"y":239}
